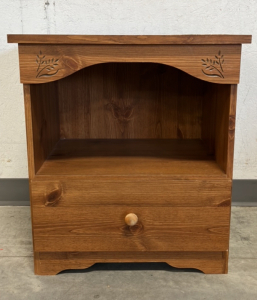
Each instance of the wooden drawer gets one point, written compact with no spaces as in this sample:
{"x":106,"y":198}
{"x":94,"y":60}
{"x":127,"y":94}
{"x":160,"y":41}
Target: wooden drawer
{"x":102,"y":228}
{"x":89,"y":215}
{"x":143,"y":191}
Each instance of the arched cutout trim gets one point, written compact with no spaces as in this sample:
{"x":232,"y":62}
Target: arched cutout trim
{"x":212,"y":63}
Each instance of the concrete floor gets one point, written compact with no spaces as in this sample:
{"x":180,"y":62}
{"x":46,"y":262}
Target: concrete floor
{"x":125,"y":281}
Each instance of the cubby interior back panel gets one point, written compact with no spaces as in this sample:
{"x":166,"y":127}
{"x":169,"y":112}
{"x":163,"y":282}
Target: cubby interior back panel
{"x":130,"y":100}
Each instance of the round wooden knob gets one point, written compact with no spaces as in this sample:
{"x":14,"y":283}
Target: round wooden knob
{"x":131,"y":219}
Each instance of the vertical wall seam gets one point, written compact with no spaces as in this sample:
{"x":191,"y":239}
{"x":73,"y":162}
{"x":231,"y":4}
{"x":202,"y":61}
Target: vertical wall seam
{"x":46,"y":5}
{"x":21,"y":15}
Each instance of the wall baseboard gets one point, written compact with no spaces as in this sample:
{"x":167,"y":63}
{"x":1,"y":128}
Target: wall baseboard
{"x":15,"y":192}
{"x":244,"y":192}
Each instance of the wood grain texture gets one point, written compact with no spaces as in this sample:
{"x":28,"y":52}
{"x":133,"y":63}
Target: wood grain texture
{"x":225,"y":255}
{"x":172,"y":157}
{"x":141,"y":191}
{"x":130,"y":101}
{"x":218,"y":127}
{"x":45,"y":63}
{"x":45,"y":121}
{"x":102,"y":228}
{"x":29,"y":130}
{"x":51,"y":263}
{"x":128,"y":39}
{"x":222,"y":126}
{"x":231,"y":130}
{"x":209,"y":116}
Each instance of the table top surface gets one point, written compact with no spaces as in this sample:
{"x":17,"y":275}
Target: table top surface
{"x":129,"y":39}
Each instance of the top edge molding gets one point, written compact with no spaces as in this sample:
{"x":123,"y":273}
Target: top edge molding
{"x":129,"y":39}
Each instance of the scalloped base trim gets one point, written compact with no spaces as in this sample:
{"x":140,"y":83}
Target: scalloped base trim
{"x":50,"y":263}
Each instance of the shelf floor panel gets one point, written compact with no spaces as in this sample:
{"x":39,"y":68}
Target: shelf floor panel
{"x":131,"y":157}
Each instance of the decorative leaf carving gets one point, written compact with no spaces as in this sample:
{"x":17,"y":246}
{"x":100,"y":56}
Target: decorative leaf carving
{"x":48,"y":67}
{"x":212,"y":67}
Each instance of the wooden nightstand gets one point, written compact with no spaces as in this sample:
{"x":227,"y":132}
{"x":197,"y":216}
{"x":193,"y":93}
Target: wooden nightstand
{"x":130,"y":148}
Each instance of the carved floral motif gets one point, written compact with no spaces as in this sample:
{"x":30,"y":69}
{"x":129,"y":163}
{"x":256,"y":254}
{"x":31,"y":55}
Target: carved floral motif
{"x":213,"y":67}
{"x":46,"y":67}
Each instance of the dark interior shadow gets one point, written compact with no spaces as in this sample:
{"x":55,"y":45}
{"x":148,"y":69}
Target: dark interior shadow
{"x":192,"y":149}
{"x":131,"y":267}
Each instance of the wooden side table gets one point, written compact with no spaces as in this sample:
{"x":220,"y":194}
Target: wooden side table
{"x":130,"y":148}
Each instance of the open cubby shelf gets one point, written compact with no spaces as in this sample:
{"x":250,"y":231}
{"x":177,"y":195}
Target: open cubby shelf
{"x":130,"y":118}
{"x":131,"y":157}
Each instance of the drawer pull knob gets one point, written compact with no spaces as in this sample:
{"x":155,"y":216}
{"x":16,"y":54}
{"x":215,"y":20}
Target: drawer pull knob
{"x":131,"y":219}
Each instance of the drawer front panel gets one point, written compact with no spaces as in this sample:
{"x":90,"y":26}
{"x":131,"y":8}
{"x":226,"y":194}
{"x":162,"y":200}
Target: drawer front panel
{"x":103,"y":228}
{"x":131,"y":191}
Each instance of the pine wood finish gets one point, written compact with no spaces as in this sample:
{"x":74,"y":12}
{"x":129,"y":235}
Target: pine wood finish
{"x":102,"y":228}
{"x":76,"y":191}
{"x":53,"y":62}
{"x":130,"y":148}
{"x":130,"y":101}
{"x":51,"y":263}
{"x":119,"y":157}
{"x":130,"y":39}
